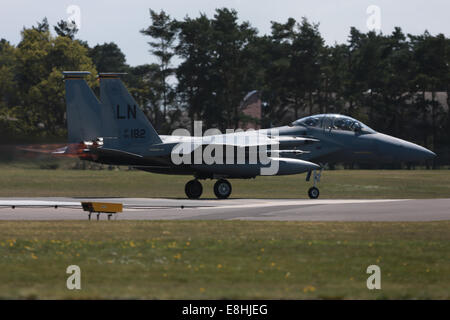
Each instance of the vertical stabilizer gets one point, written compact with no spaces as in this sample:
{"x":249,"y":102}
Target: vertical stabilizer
{"x":133,"y":127}
{"x":83,"y":109}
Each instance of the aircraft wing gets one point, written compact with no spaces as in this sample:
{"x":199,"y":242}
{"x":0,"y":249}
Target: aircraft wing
{"x":240,"y":140}
{"x":256,"y":140}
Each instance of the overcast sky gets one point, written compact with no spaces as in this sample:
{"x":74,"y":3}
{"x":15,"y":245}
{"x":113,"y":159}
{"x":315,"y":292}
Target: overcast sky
{"x":120,"y":21}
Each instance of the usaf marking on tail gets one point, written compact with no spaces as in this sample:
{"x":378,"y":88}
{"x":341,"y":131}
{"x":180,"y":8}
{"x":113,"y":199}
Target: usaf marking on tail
{"x":131,"y":112}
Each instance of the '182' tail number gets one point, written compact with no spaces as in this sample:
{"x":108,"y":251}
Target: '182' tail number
{"x":136,"y":133}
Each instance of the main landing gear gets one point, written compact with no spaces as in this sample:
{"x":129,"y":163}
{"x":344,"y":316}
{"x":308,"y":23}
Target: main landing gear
{"x":313,"y":192}
{"x":194,"y":189}
{"x":222,"y":189}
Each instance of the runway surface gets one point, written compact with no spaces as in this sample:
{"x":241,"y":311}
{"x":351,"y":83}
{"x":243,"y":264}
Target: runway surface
{"x":232,"y":209}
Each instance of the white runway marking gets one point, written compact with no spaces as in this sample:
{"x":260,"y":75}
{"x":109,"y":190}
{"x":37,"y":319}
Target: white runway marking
{"x":301,"y":203}
{"x":37,"y":203}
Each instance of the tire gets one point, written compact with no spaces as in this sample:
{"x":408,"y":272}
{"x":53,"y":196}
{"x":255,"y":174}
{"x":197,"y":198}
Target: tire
{"x":222,"y":189}
{"x":193,"y":189}
{"x":313,"y":193}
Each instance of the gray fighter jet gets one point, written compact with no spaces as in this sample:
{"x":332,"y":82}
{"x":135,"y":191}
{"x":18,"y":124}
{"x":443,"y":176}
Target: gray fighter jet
{"x":115,"y":131}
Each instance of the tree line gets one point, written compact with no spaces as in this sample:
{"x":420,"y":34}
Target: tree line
{"x":396,"y":83}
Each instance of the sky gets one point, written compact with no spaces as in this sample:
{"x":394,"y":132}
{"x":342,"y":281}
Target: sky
{"x":120,"y":21}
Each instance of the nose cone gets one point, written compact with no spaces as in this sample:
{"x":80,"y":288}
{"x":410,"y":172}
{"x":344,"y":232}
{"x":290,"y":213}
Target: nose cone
{"x":400,"y":150}
{"x":413,"y":152}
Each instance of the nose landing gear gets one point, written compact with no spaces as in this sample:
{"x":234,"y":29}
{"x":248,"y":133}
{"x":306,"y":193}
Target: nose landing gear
{"x":313,"y":192}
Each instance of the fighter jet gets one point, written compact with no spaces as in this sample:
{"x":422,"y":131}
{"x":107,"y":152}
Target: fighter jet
{"x":114,"y":130}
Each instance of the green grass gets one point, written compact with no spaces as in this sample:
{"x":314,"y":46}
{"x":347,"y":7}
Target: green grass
{"x":23,"y":182}
{"x":224,"y":259}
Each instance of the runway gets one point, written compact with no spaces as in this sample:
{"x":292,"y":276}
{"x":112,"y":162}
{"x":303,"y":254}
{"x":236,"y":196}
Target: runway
{"x":232,"y":209}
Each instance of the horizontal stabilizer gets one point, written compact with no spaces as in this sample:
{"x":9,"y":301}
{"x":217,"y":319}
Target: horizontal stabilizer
{"x":115,"y":153}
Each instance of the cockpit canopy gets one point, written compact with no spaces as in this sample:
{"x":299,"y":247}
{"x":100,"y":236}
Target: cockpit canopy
{"x":334,"y":122}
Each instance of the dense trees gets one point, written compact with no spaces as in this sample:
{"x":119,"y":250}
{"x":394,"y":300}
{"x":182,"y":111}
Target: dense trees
{"x":397,"y":83}
{"x":163,"y":32}
{"x":217,"y":67}
{"x":108,"y":57}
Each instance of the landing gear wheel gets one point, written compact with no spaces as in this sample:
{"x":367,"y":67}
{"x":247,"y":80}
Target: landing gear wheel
{"x":193,"y":189}
{"x":313,"y":193}
{"x":222,"y":189}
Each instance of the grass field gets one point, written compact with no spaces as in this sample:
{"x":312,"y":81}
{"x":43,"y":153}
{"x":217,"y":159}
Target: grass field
{"x":224,"y":259}
{"x":24,"y":182}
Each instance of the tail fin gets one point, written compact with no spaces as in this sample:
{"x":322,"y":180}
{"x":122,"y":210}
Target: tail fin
{"x":132,"y":124}
{"x":84,"y":111}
